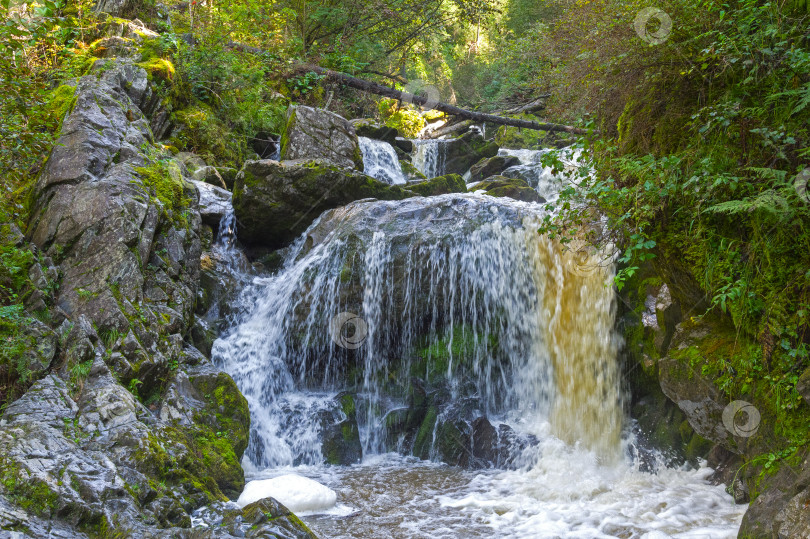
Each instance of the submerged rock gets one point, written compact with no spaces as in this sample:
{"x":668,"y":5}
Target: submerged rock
{"x":276,"y":201}
{"x":319,"y":134}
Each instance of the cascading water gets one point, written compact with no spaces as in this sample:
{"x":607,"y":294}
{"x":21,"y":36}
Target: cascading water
{"x":380,"y":161}
{"x":429,"y":157}
{"x":454,"y":298}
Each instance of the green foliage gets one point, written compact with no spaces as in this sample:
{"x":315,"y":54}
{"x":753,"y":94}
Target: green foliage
{"x":406,"y":119}
{"x":702,"y":140}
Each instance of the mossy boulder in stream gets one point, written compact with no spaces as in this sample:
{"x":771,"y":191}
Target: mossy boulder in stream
{"x":466,"y":150}
{"x":441,"y":185}
{"x":501,"y":186}
{"x":492,"y":166}
{"x":265,"y":519}
{"x":276,"y":201}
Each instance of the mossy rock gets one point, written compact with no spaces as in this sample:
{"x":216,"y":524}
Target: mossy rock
{"x":492,"y":166}
{"x":276,"y":201}
{"x":266,"y":518}
{"x":501,"y":186}
{"x":449,"y":183}
{"x":340,"y":433}
{"x":369,"y":128}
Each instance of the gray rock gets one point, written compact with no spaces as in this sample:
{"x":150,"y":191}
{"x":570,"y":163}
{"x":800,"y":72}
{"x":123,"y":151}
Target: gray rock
{"x":491,"y":166}
{"x":319,"y":134}
{"x":276,"y":201}
{"x":215,"y":202}
{"x":365,"y":127}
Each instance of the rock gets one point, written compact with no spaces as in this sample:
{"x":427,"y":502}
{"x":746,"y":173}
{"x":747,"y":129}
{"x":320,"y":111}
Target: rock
{"x":43,"y":344}
{"x":368,"y":128}
{"x":79,"y":448}
{"x":412,"y":174}
{"x":319,"y":134}
{"x":228,"y":175}
{"x":491,"y":166}
{"x":403,"y":144}
{"x":340,"y":434}
{"x":276,"y":201}
{"x":209,"y":175}
{"x":266,"y":518}
{"x":214,"y":203}
{"x":449,"y":183}
{"x":781,"y":508}
{"x":500,"y":186}
{"x":466,"y":150}
{"x":706,"y":408}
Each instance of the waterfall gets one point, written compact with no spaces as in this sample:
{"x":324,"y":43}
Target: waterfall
{"x":460,"y":286}
{"x":380,"y":161}
{"x":429,"y":157}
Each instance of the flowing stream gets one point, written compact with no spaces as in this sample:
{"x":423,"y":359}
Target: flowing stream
{"x":443,"y":319}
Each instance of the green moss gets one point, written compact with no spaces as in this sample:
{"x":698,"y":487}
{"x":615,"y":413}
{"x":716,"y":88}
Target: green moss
{"x":450,"y":183}
{"x":165,"y":183}
{"x":201,"y":131}
{"x":62,"y":99}
{"x":424,"y":437}
{"x":30,"y":493}
{"x":159,"y":68}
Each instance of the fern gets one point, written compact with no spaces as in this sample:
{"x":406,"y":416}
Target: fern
{"x":770,"y":201}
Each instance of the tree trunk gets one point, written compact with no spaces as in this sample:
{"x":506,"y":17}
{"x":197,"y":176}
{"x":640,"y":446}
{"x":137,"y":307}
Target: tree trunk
{"x":378,"y":89}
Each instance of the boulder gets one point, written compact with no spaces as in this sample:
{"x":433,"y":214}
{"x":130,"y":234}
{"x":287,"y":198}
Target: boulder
{"x":491,"y":166}
{"x":214,"y":202}
{"x":463,"y":152}
{"x":441,"y":185}
{"x":500,"y":186}
{"x":265,"y":518}
{"x":276,"y":201}
{"x":319,"y":134}
{"x":368,"y":128}
{"x":781,"y":508}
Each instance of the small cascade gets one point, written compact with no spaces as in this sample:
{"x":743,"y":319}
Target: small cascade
{"x":536,"y":174}
{"x":429,"y":157}
{"x":380,"y":161}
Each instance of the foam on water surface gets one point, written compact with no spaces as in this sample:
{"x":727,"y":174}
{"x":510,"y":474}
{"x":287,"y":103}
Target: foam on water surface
{"x":299,"y":494}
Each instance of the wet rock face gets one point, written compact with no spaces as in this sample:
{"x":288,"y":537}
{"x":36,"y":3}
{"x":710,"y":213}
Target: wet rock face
{"x":319,"y":134}
{"x":265,"y":519}
{"x":276,"y":201}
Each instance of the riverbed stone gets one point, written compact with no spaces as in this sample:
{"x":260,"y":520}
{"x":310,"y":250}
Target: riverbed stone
{"x":440,"y":185}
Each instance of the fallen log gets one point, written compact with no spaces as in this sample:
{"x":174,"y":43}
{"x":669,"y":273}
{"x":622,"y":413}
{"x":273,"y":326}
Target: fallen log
{"x":378,"y":89}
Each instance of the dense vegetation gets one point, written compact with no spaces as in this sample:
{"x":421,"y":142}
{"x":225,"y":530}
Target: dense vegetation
{"x":700,"y":130}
